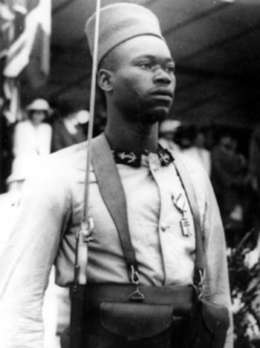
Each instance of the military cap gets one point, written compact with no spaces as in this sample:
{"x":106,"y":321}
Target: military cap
{"x":121,"y":22}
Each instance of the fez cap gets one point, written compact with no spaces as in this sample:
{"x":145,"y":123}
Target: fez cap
{"x":119,"y":23}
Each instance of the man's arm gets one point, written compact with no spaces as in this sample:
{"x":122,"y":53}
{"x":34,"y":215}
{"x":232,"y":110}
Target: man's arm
{"x":26,"y":262}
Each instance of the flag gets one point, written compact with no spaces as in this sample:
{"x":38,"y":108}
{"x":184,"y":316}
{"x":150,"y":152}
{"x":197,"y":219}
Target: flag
{"x":12,"y":110}
{"x":29,"y":46}
{"x":6,"y":26}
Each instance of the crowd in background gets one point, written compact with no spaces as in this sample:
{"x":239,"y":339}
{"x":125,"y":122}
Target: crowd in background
{"x":43,"y":130}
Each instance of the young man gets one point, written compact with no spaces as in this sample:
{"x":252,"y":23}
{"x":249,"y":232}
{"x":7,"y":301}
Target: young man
{"x":133,"y":184}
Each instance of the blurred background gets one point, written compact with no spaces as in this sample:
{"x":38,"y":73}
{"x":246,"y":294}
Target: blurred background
{"x":215,"y":45}
{"x":45,"y":69}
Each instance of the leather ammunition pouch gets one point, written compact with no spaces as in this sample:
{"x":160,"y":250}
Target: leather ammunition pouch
{"x":154,"y":317}
{"x":126,"y":316}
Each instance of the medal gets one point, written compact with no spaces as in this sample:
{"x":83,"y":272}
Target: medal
{"x":185,"y":226}
{"x":180,"y":203}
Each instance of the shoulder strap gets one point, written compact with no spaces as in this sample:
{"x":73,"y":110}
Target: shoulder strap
{"x":112,"y":192}
{"x":190,"y":193}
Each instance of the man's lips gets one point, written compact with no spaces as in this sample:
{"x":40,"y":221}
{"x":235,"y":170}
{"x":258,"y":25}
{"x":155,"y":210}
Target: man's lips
{"x":163,"y":94}
{"x":162,"y":91}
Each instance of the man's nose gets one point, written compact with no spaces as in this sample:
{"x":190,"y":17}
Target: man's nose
{"x":163,"y":76}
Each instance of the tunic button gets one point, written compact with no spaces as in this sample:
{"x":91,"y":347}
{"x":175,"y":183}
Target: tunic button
{"x":164,"y":226}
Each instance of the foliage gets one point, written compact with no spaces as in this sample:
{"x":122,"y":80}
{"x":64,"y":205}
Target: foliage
{"x":245,"y":290}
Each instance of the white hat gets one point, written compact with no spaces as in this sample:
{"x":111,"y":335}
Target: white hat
{"x":169,"y":126}
{"x":39,"y":104}
{"x":83,"y":116}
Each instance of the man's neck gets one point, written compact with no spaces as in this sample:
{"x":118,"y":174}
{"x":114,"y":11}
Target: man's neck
{"x":135,"y":137}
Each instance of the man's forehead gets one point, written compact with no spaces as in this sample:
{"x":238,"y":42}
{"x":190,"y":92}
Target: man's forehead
{"x":145,"y":46}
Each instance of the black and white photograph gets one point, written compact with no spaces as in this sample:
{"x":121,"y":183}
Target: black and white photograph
{"x":129,"y":173}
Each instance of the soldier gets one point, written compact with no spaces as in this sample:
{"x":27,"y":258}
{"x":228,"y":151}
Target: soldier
{"x":156,"y":273}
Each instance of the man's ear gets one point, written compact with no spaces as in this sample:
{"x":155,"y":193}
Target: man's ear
{"x":105,"y":80}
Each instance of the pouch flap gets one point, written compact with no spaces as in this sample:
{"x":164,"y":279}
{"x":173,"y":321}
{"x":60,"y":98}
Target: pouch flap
{"x":135,"y":321}
{"x":215,"y":317}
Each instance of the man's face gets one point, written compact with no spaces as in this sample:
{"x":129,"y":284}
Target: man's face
{"x":144,"y":80}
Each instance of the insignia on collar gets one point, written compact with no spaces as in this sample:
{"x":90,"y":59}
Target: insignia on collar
{"x":132,"y":159}
{"x":165,"y":156}
{"x":128,"y":158}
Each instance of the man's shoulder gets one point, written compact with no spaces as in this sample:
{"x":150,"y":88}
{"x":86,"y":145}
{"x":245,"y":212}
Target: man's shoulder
{"x":60,"y":168}
{"x":191,"y":165}
{"x":74,"y":155}
{"x":197,"y":174}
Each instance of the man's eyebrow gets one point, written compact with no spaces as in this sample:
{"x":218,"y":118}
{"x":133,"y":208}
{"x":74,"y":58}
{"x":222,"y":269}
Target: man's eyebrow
{"x":153,"y":58}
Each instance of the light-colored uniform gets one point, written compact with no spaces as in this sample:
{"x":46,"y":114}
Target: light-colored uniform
{"x":50,"y":214}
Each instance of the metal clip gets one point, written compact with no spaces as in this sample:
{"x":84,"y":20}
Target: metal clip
{"x":136,"y":296}
{"x":134,"y":275}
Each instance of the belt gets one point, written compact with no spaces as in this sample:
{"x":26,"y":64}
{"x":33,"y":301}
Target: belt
{"x":181,"y":297}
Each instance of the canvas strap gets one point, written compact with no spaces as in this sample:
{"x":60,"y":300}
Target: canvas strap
{"x":112,"y":192}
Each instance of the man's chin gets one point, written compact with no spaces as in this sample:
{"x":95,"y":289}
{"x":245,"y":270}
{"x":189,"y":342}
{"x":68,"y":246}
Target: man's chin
{"x":156,"y":115}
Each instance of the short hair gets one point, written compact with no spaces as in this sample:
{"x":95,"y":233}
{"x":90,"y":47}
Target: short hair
{"x":109,"y":61}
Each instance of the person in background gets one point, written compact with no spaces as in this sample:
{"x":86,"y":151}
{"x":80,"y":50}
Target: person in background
{"x":31,"y":142}
{"x":197,"y":150}
{"x":68,"y":128}
{"x":183,"y":136}
{"x":167,"y":133}
{"x":228,"y":180}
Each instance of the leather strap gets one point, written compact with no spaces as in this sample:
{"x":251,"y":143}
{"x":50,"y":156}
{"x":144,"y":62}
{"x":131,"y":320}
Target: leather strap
{"x":113,"y":194}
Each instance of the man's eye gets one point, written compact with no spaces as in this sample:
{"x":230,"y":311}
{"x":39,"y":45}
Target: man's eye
{"x":145,"y":65}
{"x":170,"y":69}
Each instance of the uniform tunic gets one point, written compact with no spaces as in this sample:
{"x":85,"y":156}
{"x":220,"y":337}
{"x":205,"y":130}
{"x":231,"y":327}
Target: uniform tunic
{"x":50,"y":216}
